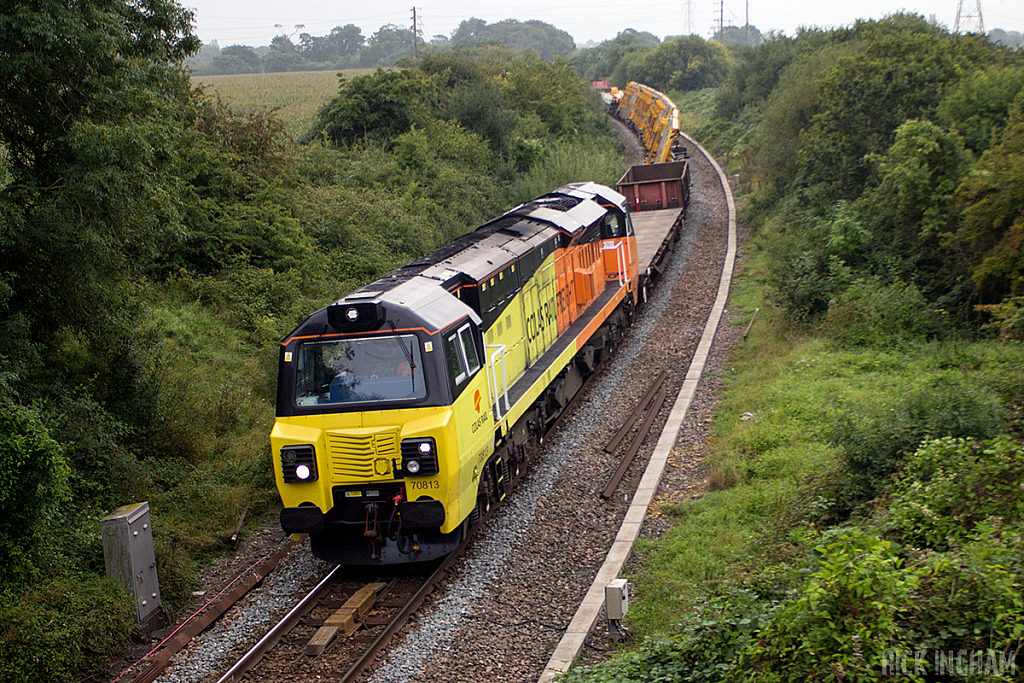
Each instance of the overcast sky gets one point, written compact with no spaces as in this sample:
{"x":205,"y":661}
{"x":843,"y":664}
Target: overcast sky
{"x":256,"y":22}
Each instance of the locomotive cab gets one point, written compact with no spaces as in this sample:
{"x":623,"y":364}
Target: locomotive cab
{"x":368,"y":435}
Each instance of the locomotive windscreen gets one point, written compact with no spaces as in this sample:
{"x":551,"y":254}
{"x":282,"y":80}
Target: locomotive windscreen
{"x":360,"y":370}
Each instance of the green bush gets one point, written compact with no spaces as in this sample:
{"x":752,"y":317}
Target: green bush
{"x":842,"y":621}
{"x":869,"y":313}
{"x":33,"y":482}
{"x":971,"y":599}
{"x":102,"y":469}
{"x":876,"y":437}
{"x":703,"y":650}
{"x":65,"y":628}
{"x":379,"y":105}
{"x":805,"y":284}
{"x":949,"y":486}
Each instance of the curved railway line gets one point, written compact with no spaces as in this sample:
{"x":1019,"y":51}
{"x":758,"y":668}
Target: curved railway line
{"x":500,"y":608}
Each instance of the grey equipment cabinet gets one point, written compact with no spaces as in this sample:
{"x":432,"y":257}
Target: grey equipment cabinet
{"x":129,"y":556}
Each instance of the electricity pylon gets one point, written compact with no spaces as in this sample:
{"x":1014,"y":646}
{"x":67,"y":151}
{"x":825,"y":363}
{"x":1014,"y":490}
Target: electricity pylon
{"x":968,"y":20}
{"x":690,"y":26}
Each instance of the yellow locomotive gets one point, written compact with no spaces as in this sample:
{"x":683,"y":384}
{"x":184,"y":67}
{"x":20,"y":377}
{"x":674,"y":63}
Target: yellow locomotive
{"x":406,"y":409}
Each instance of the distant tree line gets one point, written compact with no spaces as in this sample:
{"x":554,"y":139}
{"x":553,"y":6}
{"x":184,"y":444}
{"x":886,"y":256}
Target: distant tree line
{"x":345,"y":47}
{"x":1006,"y":38}
{"x":684,"y":63}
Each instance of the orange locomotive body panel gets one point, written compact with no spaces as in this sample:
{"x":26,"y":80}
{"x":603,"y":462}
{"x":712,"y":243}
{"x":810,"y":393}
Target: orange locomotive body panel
{"x":582,"y":273}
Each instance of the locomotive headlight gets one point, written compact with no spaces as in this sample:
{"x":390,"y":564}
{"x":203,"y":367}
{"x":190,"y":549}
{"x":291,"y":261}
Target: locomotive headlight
{"x":352,"y":314}
{"x":298,"y":463}
{"x":419,"y":457}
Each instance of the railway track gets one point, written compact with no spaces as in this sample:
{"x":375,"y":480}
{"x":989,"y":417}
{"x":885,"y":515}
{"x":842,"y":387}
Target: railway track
{"x":340,"y":627}
{"x":333,"y":628}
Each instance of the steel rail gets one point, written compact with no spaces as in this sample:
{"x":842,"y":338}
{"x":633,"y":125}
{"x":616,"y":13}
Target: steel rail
{"x":412,"y":604}
{"x":634,"y":447}
{"x":210,"y":613}
{"x":635,"y":415}
{"x":287,"y":623}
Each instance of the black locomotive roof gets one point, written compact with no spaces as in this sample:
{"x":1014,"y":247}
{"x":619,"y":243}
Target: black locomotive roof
{"x":422,"y":287}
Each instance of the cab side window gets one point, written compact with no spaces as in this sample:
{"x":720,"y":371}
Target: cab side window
{"x":461,"y":354}
{"x":614,"y":225}
{"x":451,"y":353}
{"x":469,"y":349}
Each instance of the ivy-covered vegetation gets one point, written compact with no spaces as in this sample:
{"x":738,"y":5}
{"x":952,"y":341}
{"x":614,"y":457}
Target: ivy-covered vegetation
{"x":864,"y":515}
{"x":157,"y":245}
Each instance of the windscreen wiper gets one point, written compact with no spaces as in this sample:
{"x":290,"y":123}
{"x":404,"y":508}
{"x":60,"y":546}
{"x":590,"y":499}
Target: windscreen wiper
{"x":408,"y":353}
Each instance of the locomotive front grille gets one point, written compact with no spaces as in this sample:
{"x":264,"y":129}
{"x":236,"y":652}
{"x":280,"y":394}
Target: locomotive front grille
{"x":364,"y":456}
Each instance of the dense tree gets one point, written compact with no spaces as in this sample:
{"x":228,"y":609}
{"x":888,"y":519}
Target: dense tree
{"x":747,"y":36}
{"x":340,"y":47}
{"x":993,"y":200}
{"x":387,"y":46}
{"x":347,"y":39}
{"x":789,"y":109}
{"x":90,"y":111}
{"x":237,"y":59}
{"x":603,"y":61}
{"x":546,"y":40}
{"x":978,"y":105}
{"x":381,"y":105}
{"x":551,"y":92}
{"x":284,"y":56}
{"x":753,"y":79}
{"x":468,"y":95}
{"x":911,"y":213}
{"x":469,"y":31}
{"x":907,"y":64}
{"x":685,"y":63}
